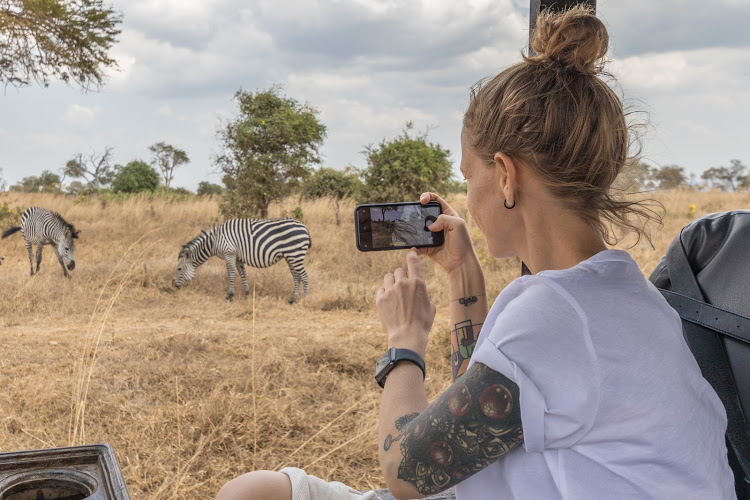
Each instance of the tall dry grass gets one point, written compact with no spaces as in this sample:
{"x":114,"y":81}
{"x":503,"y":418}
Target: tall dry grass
{"x":191,"y":391}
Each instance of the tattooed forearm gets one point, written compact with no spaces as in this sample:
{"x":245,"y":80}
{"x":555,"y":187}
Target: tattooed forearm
{"x":463,"y":340}
{"x":471,"y":425}
{"x":400,"y":423}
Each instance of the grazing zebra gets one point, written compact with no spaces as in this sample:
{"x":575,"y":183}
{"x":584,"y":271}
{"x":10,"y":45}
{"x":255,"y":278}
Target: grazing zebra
{"x":41,"y":227}
{"x":256,"y":242}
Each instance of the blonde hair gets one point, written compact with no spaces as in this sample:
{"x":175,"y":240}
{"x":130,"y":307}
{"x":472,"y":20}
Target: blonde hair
{"x":554,"y":114}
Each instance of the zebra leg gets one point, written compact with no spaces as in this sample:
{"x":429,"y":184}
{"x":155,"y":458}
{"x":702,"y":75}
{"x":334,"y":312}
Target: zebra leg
{"x":241,"y":269}
{"x":31,"y":256}
{"x":303,"y":276}
{"x":296,"y":277}
{"x":59,"y":259}
{"x":230,"y":260}
{"x":39,"y":249}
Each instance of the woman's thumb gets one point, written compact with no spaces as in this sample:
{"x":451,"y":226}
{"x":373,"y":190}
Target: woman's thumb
{"x":443,"y":222}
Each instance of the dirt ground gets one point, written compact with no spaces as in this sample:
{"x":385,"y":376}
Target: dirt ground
{"x":191,"y":391}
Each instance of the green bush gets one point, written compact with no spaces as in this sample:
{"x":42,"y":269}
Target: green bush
{"x":135,"y":177}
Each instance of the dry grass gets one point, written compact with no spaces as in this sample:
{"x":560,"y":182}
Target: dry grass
{"x":191,"y":391}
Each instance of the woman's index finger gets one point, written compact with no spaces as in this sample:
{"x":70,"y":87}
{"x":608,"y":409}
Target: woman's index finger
{"x":412,"y":264}
{"x":444,"y":207}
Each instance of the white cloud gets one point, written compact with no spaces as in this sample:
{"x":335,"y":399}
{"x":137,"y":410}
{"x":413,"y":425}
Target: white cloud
{"x":369,"y":66}
{"x":81,"y":117}
{"x":712,"y":71}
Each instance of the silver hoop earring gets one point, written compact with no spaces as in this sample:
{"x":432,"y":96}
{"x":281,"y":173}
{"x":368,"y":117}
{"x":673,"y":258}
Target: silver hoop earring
{"x":505,"y":202}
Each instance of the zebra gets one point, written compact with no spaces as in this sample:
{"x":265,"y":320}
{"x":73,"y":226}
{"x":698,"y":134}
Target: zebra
{"x":256,"y":242}
{"x":43,"y":227}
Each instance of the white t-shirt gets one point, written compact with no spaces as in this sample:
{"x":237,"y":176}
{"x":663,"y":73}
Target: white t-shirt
{"x":613,"y":404}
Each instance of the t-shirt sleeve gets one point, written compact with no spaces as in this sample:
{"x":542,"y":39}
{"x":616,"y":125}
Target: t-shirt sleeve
{"x":540,"y":340}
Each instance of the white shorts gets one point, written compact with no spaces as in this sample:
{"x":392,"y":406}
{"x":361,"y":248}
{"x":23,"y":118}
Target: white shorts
{"x":307,"y":487}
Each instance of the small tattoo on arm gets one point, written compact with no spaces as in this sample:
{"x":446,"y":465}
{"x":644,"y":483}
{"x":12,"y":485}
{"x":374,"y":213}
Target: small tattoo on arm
{"x":463,"y":340}
{"x":400,"y":424}
{"x":467,"y":301}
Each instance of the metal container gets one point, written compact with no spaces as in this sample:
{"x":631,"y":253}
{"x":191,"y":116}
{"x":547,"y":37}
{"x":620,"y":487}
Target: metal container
{"x":88,"y":472}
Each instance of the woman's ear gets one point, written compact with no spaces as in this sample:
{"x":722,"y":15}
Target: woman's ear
{"x":507,"y":176}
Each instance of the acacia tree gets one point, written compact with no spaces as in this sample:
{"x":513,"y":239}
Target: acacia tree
{"x":3,"y":184}
{"x":66,"y":39}
{"x":96,"y":169}
{"x":402,"y":168}
{"x":333,"y":184}
{"x":46,"y":182}
{"x":167,"y":157}
{"x":670,"y":177}
{"x":266,"y":151}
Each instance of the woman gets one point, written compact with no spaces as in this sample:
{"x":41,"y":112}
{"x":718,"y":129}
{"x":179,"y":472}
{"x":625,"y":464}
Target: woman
{"x":580,"y":384}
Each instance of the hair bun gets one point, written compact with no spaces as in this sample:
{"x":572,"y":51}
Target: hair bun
{"x":575,"y":38}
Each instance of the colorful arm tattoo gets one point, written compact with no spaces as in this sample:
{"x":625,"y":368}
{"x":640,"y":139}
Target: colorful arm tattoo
{"x":463,"y":340}
{"x":471,"y":425}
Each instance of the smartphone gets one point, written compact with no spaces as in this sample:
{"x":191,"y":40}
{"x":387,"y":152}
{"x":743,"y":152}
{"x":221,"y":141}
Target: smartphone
{"x":395,"y":226}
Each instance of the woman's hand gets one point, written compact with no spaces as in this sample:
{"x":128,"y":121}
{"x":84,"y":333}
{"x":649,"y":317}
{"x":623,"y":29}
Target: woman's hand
{"x":404,"y":307}
{"x":458,"y":248}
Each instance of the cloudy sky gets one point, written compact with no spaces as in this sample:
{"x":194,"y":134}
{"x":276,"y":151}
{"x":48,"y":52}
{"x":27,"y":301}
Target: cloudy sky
{"x":369,"y":66}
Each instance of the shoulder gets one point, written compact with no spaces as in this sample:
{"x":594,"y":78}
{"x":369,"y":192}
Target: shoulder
{"x":535,"y":303}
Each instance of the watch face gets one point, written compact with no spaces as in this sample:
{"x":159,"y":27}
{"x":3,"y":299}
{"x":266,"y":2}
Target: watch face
{"x":382,"y":363}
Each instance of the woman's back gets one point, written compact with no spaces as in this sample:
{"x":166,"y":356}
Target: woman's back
{"x":612,"y":402}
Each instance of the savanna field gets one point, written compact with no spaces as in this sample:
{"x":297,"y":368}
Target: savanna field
{"x":191,"y":391}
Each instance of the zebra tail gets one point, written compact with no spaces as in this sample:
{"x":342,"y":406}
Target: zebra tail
{"x":10,"y":231}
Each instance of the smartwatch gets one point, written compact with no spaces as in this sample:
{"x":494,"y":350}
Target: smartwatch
{"x":392,"y":356}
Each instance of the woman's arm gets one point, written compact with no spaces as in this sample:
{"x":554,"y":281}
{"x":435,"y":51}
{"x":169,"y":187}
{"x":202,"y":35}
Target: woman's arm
{"x":468,"y":310}
{"x":457,"y":256}
{"x":427,"y":449}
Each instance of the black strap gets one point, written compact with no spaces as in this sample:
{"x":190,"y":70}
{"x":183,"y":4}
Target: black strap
{"x":717,"y":319}
{"x":708,"y":350}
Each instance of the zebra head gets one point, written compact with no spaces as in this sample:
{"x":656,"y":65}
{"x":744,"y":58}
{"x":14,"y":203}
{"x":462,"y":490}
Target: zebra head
{"x":66,"y":247}
{"x":185,"y":268}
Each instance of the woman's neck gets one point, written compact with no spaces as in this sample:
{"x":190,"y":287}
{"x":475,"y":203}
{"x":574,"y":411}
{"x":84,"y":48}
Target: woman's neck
{"x":556,"y":239}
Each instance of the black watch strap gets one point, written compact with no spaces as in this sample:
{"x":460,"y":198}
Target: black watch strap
{"x":389,"y":360}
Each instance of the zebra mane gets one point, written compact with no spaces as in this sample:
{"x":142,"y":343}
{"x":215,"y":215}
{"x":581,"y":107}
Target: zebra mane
{"x":70,"y":227}
{"x":191,"y":245}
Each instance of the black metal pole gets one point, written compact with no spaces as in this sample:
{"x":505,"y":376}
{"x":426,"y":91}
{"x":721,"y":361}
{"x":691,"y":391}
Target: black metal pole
{"x":539,"y":5}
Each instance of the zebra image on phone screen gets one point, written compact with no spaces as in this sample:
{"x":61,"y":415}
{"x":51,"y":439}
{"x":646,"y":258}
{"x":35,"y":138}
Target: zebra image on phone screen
{"x":40,"y":227}
{"x":256,"y":242}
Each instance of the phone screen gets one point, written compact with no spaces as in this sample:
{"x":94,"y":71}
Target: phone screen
{"x":394,"y":226}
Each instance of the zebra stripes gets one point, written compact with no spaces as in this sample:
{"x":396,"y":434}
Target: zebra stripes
{"x":256,"y":242}
{"x":40,"y":227}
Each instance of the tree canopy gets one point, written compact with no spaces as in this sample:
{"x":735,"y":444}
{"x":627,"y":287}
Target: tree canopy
{"x":167,"y":158}
{"x":206,"y":188}
{"x":46,"y":182}
{"x":96,"y":169}
{"x":135,"y":177}
{"x":41,"y":40}
{"x":401,"y":169}
{"x":333,"y":184}
{"x":266,"y":151}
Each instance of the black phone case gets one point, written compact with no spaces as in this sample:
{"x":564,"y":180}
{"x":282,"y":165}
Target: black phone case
{"x":356,"y":225}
